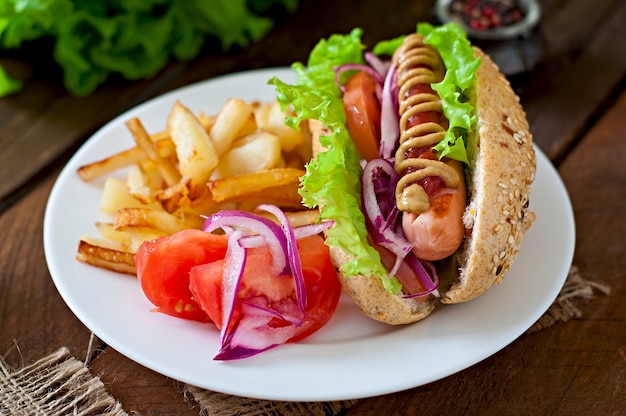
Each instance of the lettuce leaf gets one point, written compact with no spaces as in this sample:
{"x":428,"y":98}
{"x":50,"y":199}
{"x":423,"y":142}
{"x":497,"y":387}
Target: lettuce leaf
{"x":332,"y":179}
{"x":456,"y":89}
{"x":94,"y":39}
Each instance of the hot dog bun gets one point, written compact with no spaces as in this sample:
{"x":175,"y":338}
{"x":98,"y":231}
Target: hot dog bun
{"x":497,"y":214}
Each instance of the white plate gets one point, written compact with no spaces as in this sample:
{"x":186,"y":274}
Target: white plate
{"x":351,"y":357}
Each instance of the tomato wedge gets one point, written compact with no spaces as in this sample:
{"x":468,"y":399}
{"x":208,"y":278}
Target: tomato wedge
{"x":261,"y":289}
{"x":163,"y":270}
{"x":362,"y":110}
{"x":182,"y":276}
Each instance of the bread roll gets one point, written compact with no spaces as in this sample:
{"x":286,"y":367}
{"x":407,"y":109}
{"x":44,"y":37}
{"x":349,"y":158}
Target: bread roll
{"x":497,"y":214}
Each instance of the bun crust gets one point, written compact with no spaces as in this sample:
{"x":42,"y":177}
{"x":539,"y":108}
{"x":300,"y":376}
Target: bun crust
{"x":497,"y":215}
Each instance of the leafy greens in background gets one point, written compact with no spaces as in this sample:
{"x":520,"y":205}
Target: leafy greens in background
{"x":132,"y":38}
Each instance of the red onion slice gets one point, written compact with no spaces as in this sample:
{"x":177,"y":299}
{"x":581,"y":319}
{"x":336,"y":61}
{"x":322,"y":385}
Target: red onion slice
{"x":389,"y":118}
{"x":377,"y":64}
{"x":234,"y":264}
{"x":381,"y":216}
{"x":357,"y":67}
{"x":252,"y":332}
{"x":293,"y":255}
{"x":254,"y":224}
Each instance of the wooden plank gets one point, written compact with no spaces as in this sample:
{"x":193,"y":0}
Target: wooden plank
{"x":563,"y":97}
{"x":34,"y":320}
{"x":563,"y":38}
{"x":139,"y":389}
{"x":42,"y":123}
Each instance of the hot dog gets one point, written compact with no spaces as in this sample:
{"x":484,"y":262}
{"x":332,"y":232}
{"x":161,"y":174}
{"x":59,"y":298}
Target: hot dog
{"x":438,"y":214}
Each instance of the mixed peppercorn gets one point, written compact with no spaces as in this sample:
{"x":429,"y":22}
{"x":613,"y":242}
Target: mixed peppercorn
{"x":486,"y":14}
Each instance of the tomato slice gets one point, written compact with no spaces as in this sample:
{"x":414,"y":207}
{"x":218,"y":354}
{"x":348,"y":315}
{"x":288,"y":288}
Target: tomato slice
{"x":163,"y":270}
{"x":262,"y":288}
{"x":362,"y":110}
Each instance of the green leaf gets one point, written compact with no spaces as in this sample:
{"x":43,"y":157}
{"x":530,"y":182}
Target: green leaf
{"x":456,"y":88}
{"x":8,"y":85}
{"x":132,"y":38}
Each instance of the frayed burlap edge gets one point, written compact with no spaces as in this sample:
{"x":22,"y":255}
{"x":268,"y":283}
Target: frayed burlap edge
{"x":58,"y":384}
{"x":219,"y":404}
{"x":564,"y":307}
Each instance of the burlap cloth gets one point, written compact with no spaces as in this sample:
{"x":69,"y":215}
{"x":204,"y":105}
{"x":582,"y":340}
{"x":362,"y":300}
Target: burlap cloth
{"x":59,"y":384}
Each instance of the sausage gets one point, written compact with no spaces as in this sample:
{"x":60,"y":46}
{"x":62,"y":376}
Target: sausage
{"x":431,"y":218}
{"x":438,"y":232}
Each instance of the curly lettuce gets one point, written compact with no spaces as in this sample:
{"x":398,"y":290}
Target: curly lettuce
{"x":130,"y":38}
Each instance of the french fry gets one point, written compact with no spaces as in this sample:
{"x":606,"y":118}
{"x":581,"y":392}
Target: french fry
{"x":238,"y":185}
{"x":290,"y":138}
{"x":234,"y":115}
{"x":111,"y":164}
{"x":284,"y":196}
{"x":127,"y":240}
{"x":196,"y":153}
{"x":106,"y":258}
{"x":152,"y":219}
{"x":166,"y":168}
{"x":121,"y":239}
{"x":144,"y":181}
{"x":256,"y":151}
{"x":239,"y":158}
{"x":165,"y":147}
{"x":115,"y":196}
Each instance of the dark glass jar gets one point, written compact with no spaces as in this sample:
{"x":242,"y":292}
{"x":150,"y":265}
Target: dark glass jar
{"x":507,"y":30}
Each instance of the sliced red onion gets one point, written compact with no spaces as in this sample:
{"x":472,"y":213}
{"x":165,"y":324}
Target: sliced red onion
{"x":389,"y":118}
{"x":382,"y":226}
{"x":312,"y":229}
{"x":377,"y":64}
{"x":255,"y":224}
{"x":430,"y":278}
{"x":357,"y":67}
{"x":381,"y":213}
{"x":293,"y":255}
{"x":234,"y":264}
{"x":251,"y":333}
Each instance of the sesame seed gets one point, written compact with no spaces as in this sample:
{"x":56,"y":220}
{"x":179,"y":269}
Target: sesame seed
{"x":511,"y":240}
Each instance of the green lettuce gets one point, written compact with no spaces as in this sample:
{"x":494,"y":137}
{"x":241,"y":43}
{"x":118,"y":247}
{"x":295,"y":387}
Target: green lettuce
{"x":332,"y":179}
{"x":456,"y":89}
{"x":134,"y":39}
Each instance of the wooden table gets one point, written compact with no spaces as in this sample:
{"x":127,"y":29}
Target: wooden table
{"x":576,"y":104}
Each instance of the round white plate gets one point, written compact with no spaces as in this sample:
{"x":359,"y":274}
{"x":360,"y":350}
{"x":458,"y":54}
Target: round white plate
{"x":352,"y":356}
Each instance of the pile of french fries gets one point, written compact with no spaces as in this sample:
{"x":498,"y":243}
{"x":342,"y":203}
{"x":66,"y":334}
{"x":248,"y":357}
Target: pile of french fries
{"x":199,"y":164}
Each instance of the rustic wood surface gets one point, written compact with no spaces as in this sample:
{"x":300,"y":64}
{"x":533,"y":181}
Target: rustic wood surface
{"x":576,"y":104}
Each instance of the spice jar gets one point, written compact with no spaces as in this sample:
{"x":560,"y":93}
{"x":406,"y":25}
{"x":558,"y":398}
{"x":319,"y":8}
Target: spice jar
{"x":505,"y":29}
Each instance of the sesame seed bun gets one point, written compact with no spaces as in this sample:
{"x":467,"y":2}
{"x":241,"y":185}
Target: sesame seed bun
{"x":497,"y":214}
